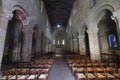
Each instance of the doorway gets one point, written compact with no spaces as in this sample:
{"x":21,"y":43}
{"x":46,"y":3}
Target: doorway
{"x":87,"y":48}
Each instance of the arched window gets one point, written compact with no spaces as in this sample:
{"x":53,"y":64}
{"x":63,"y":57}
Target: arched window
{"x":112,"y":41}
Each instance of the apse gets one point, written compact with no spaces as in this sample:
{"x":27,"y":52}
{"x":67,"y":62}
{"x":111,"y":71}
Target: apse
{"x":59,"y":36}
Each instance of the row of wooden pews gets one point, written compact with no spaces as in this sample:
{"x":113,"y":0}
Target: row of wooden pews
{"x":37,"y":69}
{"x":85,"y":69}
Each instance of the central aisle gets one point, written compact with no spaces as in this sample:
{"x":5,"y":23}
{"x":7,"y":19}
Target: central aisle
{"x":60,"y":71}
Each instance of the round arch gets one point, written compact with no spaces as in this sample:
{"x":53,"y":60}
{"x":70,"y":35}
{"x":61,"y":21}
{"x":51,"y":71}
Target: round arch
{"x":104,"y":23}
{"x":19,"y":8}
{"x":100,"y":12}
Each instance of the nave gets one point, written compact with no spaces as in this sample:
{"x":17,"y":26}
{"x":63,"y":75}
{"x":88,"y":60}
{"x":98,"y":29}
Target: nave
{"x":60,"y":70}
{"x":36,"y":69}
{"x":86,"y":32}
{"x":42,"y":68}
{"x":83,"y":68}
{"x":67,"y":67}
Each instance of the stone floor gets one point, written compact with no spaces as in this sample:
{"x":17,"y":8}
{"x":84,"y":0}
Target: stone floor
{"x":60,"y":71}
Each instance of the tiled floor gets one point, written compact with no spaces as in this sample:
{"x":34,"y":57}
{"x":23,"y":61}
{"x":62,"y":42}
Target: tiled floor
{"x":60,"y":71}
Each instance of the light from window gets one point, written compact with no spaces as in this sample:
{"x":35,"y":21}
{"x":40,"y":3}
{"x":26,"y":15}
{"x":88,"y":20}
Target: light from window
{"x":53,"y":42}
{"x":112,"y":41}
{"x":58,"y":26}
{"x":63,"y":42}
{"x":58,"y":42}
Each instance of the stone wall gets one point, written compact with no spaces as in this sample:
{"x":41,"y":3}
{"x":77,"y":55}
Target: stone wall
{"x":85,"y":14}
{"x":34,"y":16}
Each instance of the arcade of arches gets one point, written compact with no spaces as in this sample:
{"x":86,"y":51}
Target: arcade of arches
{"x":31,"y":39}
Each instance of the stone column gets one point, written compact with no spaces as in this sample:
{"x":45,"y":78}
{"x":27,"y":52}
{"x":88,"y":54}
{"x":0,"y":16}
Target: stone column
{"x":94,"y":46}
{"x":26,"y":46}
{"x":78,"y":45}
{"x":103,"y":42}
{"x":68,"y":45}
{"x":93,"y":38}
{"x":50,"y":47}
{"x":82,"y":45}
{"x":30,"y":45}
{"x":3,"y":29}
{"x":47,"y":46}
{"x":75,"y":42}
{"x":38,"y":45}
{"x":116,"y":17}
{"x":44,"y":45}
{"x":72,"y":45}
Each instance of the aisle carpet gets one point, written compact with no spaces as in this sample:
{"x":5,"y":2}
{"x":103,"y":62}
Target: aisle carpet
{"x":60,"y":71}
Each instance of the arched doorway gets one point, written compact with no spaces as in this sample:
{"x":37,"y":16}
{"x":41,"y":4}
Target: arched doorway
{"x":107,"y":27}
{"x":13,"y":42}
{"x":86,"y":38}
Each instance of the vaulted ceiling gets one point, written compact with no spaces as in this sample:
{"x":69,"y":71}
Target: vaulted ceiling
{"x":58,"y":11}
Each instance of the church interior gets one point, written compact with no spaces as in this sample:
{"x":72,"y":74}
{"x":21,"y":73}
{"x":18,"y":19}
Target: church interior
{"x":59,"y":39}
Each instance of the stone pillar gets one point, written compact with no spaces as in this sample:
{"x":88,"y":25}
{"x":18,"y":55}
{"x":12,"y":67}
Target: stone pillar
{"x":47,"y":46}
{"x":75,"y":42}
{"x":44,"y":45}
{"x":50,"y":47}
{"x":38,"y":45}
{"x":68,"y":45}
{"x":103,"y":42}
{"x":94,"y":46}
{"x":3,"y":29}
{"x":78,"y":45}
{"x":71,"y":44}
{"x":116,"y":18}
{"x":26,"y":46}
{"x":93,"y":38}
{"x":82,"y":44}
{"x":30,"y":45}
